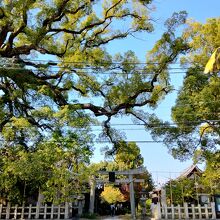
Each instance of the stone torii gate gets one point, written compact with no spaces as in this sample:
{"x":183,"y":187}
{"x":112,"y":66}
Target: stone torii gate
{"x":130,"y":180}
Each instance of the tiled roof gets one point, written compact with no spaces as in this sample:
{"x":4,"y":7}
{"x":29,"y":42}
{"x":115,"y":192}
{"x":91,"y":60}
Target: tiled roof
{"x":190,"y":170}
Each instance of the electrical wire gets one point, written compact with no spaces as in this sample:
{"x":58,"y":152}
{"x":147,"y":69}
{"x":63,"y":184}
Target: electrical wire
{"x":86,"y":62}
{"x":105,"y":71}
{"x":97,"y":73}
{"x":185,"y":124}
{"x":95,"y":141}
{"x":54,"y":63}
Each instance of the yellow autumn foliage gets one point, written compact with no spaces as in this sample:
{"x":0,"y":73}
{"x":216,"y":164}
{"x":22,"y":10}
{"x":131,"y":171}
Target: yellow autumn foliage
{"x":112,"y":195}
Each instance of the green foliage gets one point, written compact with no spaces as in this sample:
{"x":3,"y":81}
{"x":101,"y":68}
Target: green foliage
{"x":211,"y":176}
{"x":58,"y":170}
{"x":148,"y":205}
{"x":196,"y":130}
{"x":47,"y":108}
{"x":195,"y":111}
{"x":184,"y":190}
{"x":129,"y":155}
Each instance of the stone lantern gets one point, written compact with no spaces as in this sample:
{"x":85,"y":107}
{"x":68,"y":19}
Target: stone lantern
{"x":143,"y":200}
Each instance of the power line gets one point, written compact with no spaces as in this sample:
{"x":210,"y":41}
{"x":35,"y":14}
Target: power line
{"x":137,"y":141}
{"x":74,"y":141}
{"x":89,"y":65}
{"x":92,"y":67}
{"x":154,"y":127}
{"x":167,"y":106}
{"x":143,"y":124}
{"x":100,"y":68}
{"x":149,"y":125}
{"x":86,"y":62}
{"x":97,"y":73}
{"x":94,"y":141}
{"x":179,"y":105}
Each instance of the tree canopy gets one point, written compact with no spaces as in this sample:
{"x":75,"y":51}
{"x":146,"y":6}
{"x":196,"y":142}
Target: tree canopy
{"x":129,"y":154}
{"x":196,"y":110}
{"x":211,"y":176}
{"x":83,"y":81}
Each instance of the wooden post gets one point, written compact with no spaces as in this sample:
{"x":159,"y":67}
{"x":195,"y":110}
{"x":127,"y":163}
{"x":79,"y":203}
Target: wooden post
{"x":132,"y":200}
{"x":165,"y":211}
{"x":8,"y":210}
{"x":92,"y":195}
{"x":45,"y":211}
{"x":15,"y":211}
{"x":200,"y":211}
{"x":66,"y":215}
{"x":0,"y":211}
{"x":29,"y":211}
{"x":172,"y":211}
{"x":37,"y":211}
{"x":22,"y":211}
{"x":193,"y":211}
{"x":213,"y":210}
{"x":206,"y":212}
{"x":186,"y":210}
{"x":51,"y":214}
{"x":58,"y":212}
{"x":179,"y":212}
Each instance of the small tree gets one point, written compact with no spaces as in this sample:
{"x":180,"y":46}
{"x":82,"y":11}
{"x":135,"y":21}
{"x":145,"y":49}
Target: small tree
{"x":112,"y":195}
{"x":211,"y":176}
{"x":180,"y":191}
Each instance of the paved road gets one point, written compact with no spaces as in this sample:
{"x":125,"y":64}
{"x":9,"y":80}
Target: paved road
{"x":105,"y":218}
{"x":117,"y":217}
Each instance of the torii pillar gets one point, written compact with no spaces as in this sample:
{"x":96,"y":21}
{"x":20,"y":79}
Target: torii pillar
{"x":132,"y":199}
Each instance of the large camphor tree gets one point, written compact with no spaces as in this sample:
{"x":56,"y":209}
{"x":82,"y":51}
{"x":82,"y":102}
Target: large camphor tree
{"x":83,"y":82}
{"x":47,"y":107}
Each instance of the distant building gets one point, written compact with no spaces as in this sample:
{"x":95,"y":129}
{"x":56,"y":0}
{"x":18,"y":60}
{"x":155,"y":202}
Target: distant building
{"x":191,"y":172}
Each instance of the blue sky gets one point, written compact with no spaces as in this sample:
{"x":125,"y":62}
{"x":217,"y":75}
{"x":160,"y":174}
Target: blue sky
{"x":156,"y":156}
